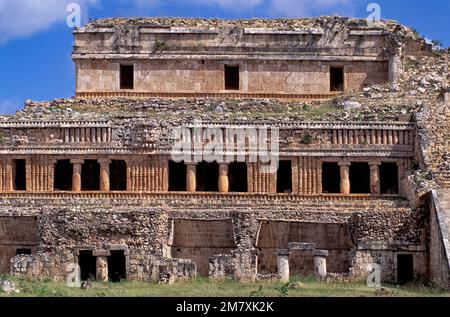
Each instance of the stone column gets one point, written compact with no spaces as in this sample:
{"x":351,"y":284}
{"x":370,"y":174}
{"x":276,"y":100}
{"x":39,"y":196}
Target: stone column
{"x":76,"y":176}
{"x":320,"y":264}
{"x":102,"y":269}
{"x":9,"y":186}
{"x":102,"y":264}
{"x":394,"y":62}
{"x":104,"y":175}
{"x":28,"y":175}
{"x":191,"y":178}
{"x":224,"y":185}
{"x":283,"y":264}
{"x":374,"y":178}
{"x":345,"y":177}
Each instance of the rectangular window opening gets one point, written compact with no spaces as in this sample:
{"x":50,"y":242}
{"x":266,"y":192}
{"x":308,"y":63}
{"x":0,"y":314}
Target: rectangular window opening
{"x":126,"y":76}
{"x":231,"y":77}
{"x":23,"y":251}
{"x":337,"y":78}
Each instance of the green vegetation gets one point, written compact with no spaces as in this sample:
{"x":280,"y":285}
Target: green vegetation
{"x":307,"y":139}
{"x":300,"y":287}
{"x":160,"y":47}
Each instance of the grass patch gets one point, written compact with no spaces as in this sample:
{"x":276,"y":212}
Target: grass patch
{"x":201,"y":287}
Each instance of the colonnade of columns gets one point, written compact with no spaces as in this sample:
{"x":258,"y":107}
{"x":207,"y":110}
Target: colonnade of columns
{"x":104,"y":175}
{"x":191,"y":176}
{"x":374,"y":177}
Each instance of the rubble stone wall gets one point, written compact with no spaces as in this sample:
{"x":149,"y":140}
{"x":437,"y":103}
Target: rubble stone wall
{"x":16,"y":233}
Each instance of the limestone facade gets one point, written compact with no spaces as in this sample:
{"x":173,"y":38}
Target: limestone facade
{"x":95,"y":183}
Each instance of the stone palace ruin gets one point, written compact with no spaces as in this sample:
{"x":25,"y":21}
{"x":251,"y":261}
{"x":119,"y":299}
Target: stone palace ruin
{"x":359,"y":114}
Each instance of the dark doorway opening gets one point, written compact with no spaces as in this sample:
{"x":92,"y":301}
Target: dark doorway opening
{"x":20,"y":182}
{"x":118,"y":175}
{"x":88,"y":265}
{"x":208,"y":177}
{"x":337,"y":78}
{"x":90,"y":175}
{"x":331,"y":178}
{"x":237,"y":176}
{"x":177,"y":176}
{"x":389,"y":178}
{"x":231,"y":77}
{"x":284,"y":177}
{"x":117,"y":271}
{"x":405,"y":268}
{"x":360,"y":178}
{"x":23,"y":252}
{"x":126,"y":76}
{"x":63,"y":175}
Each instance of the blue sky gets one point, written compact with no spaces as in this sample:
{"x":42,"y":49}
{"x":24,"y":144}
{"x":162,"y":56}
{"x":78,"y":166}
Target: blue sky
{"x":36,"y":43}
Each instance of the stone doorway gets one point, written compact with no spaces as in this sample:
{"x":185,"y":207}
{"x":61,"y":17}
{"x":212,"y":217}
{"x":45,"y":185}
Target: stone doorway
{"x":237,"y":174}
{"x":331,"y":178}
{"x":284,"y":177}
{"x":389,"y":178}
{"x":337,"y":78}
{"x":405,"y":268}
{"x":117,"y":271}
{"x":360,"y":178}
{"x":208,"y":177}
{"x":177,"y":176}
{"x":118,"y":175}
{"x":20,"y":182}
{"x":90,"y":175}
{"x":88,"y":265}
{"x":63,"y":175}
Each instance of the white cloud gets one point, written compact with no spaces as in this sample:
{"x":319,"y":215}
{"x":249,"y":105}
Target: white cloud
{"x":25,"y":17}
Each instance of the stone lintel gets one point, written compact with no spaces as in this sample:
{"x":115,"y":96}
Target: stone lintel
{"x":375,"y":162}
{"x":104,"y":161}
{"x":282,"y":252}
{"x":77,"y":161}
{"x":321,"y":253}
{"x":301,"y":246}
{"x":344,"y":163}
{"x":101,"y":253}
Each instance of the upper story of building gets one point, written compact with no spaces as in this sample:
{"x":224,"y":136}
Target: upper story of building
{"x":298,"y":58}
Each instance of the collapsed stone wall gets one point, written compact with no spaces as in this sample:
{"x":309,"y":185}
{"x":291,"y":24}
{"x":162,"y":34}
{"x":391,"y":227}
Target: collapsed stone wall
{"x":333,"y":237}
{"x":145,"y":232}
